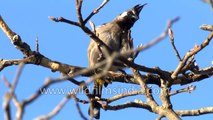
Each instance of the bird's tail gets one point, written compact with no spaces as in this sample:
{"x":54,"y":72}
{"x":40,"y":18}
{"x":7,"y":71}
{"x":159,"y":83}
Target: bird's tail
{"x":94,"y":109}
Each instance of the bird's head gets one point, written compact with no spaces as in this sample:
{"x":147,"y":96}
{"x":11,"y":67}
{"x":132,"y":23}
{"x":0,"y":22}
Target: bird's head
{"x":129,"y":17}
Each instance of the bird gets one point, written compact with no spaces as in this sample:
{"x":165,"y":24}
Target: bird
{"x":115,"y":35}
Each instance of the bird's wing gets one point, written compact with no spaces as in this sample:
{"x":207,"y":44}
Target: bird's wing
{"x":109,"y":34}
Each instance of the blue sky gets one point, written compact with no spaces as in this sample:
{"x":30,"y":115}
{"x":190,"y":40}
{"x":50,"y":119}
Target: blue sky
{"x":68,"y":44}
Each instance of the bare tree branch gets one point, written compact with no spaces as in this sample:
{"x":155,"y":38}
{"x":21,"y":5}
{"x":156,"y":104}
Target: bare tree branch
{"x":78,"y":11}
{"x":6,"y":106}
{"x":95,"y":11}
{"x":155,"y":79}
{"x":6,"y":100}
{"x":11,"y":94}
{"x":78,"y":107}
{"x":191,"y":53}
{"x":56,"y":110}
{"x":194,"y":77}
{"x":61,"y":19}
{"x":6,"y":29}
{"x":147,"y":91}
{"x":37,"y":45}
{"x":38,"y":93}
{"x":195,"y":112}
{"x":122,"y":95}
{"x":167,"y":109}
{"x":206,"y":27}
{"x":128,"y":105}
{"x":188,"y":89}
{"x":171,"y":36}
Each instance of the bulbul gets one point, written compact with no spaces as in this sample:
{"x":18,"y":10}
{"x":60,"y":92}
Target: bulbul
{"x":115,"y":35}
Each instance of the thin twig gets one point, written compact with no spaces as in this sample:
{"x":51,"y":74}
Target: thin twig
{"x":37,"y":45}
{"x":194,"y":77}
{"x":6,"y":82}
{"x":38,"y":93}
{"x":61,"y":19}
{"x":78,"y":11}
{"x":129,"y":105}
{"x":190,"y":65}
{"x":123,"y":95}
{"x":62,"y":103}
{"x":206,"y":27}
{"x":171,"y":36}
{"x":11,"y":94}
{"x":188,"y":89}
{"x":95,"y":11}
{"x":6,"y":63}
{"x":15,"y":81}
{"x":6,"y":106}
{"x":19,"y":106}
{"x":191,"y":53}
{"x":78,"y":107}
{"x":55,"y":111}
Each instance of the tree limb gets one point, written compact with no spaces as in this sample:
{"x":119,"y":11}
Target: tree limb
{"x":128,"y":105}
{"x":195,"y":50}
{"x":188,"y":89}
{"x":122,"y":95}
{"x":195,"y":112}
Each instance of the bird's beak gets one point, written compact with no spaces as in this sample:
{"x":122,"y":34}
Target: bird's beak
{"x":138,"y":8}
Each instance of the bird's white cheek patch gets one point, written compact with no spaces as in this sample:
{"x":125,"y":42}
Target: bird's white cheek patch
{"x":124,"y":14}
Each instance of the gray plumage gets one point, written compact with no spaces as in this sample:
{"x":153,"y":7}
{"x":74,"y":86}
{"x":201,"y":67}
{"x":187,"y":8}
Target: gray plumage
{"x":115,"y":35}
